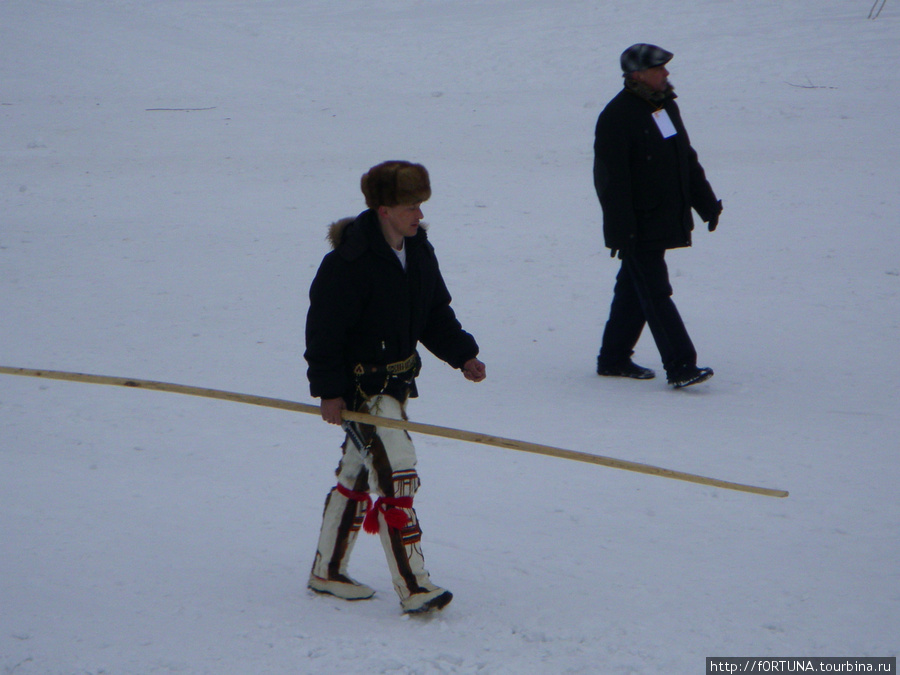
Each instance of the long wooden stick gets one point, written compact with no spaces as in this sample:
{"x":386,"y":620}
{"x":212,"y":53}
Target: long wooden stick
{"x":429,"y":429}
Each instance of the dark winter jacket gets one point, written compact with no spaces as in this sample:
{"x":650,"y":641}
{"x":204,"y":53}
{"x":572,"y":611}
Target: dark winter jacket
{"x":647,"y":184}
{"x":364,"y":308}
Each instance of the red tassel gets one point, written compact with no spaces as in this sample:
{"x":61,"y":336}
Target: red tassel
{"x":395,"y":518}
{"x":370,"y":524}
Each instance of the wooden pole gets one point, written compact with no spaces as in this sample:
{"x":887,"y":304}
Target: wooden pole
{"x":429,"y":429}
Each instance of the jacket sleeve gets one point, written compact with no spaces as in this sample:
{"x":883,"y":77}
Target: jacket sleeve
{"x":443,"y":334}
{"x":702,"y":197}
{"x":334,"y":306}
{"x":613,"y":181}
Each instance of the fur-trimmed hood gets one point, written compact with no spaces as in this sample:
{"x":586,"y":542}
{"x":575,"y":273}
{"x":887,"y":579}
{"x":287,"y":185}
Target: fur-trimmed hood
{"x":336,"y":231}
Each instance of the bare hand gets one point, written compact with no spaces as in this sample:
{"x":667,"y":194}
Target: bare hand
{"x":331,"y":410}
{"x":474,"y":370}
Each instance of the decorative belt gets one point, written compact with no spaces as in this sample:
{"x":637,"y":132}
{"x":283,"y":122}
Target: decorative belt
{"x":396,"y":368}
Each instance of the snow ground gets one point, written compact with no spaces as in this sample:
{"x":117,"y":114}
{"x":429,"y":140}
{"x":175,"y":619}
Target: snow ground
{"x":169,"y":169}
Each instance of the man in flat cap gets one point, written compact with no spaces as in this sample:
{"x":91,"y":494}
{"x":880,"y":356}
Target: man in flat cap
{"x":648,"y":179}
{"x":376,"y":296}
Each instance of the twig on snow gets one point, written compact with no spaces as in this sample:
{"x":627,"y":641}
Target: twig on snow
{"x":178,"y":109}
{"x":873,"y":14}
{"x":808,"y":86}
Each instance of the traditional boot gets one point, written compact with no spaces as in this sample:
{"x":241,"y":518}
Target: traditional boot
{"x":344,"y":512}
{"x":401,"y":539}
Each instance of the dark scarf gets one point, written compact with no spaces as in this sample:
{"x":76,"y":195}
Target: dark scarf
{"x":656,"y":98}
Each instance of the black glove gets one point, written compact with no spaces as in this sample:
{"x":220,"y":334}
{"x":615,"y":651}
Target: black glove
{"x":626,"y":250}
{"x":714,"y":220}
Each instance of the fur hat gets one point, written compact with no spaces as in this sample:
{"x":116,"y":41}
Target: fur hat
{"x":394,"y":183}
{"x":643,"y":56}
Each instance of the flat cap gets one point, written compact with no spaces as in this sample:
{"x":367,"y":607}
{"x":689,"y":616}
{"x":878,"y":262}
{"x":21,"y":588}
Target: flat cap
{"x":643,"y":56}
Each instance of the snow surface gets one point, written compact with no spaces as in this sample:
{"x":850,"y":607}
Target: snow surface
{"x":168,"y":171}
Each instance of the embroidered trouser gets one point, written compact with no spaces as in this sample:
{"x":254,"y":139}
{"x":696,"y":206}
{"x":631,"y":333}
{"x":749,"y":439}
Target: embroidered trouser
{"x":386,"y":467}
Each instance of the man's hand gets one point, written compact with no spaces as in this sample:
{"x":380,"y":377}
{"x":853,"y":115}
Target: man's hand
{"x":714,"y":221}
{"x":331,"y":410}
{"x":474,"y":370}
{"x":624,"y":252}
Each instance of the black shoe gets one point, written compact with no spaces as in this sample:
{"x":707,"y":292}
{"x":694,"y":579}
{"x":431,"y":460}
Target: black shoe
{"x":626,"y":369}
{"x":688,"y":375}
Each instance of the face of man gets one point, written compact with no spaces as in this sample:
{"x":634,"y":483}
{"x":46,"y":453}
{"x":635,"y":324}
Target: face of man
{"x":399,"y":221}
{"x":656,"y":78}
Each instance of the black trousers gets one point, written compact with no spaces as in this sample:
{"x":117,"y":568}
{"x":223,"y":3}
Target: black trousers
{"x":642,"y":295}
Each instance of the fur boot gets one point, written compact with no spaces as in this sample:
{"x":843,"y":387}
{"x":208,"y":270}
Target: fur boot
{"x":397,"y":523}
{"x":403,"y":549}
{"x":341,"y":521}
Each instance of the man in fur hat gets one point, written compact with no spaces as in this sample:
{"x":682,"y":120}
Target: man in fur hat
{"x":375,"y":297}
{"x":648,"y":179}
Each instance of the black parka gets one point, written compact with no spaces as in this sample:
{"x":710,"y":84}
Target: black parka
{"x":647,"y":184}
{"x":364,"y":308}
